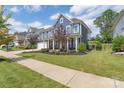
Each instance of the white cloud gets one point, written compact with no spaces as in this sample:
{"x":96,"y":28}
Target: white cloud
{"x":55,"y":16}
{"x":17,"y":25}
{"x":14,"y":9}
{"x":117,"y":8}
{"x":35,"y":24}
{"x":68,"y":15}
{"x":77,"y":10}
{"x":46,"y":26}
{"x":32,"y":8}
{"x":89,"y":13}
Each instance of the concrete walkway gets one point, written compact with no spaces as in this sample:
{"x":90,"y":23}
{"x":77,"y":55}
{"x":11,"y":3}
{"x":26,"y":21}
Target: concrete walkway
{"x":65,"y":76}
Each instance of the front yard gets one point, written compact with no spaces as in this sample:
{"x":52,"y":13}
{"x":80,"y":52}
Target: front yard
{"x":15,"y":75}
{"x":11,"y":49}
{"x":101,"y":63}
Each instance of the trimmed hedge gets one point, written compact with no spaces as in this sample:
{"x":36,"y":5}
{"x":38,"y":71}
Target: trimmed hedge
{"x":44,"y":50}
{"x":118,"y":44}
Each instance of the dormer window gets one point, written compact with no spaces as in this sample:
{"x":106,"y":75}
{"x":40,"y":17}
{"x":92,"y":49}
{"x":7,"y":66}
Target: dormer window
{"x":61,"y":20}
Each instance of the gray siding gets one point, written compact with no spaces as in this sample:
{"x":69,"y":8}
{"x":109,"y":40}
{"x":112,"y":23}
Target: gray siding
{"x":84,"y":35}
{"x":65,"y":22}
{"x":119,"y":29}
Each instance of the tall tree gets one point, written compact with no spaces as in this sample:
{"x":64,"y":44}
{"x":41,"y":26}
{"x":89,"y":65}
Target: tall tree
{"x":5,"y":37}
{"x":105,"y":23}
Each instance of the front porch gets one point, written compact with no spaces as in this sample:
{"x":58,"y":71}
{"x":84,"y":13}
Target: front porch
{"x":71,"y":43}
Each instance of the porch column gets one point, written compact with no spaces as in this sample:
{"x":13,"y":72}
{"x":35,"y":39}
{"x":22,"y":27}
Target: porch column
{"x":76,"y":44}
{"x":48,"y":44}
{"x":53,"y":44}
{"x":67,"y":44}
{"x":43,"y":44}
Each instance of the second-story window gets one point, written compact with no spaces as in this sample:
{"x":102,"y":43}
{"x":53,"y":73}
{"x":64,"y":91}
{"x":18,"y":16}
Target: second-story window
{"x":76,"y":28}
{"x":61,"y":20}
{"x":68,"y":29}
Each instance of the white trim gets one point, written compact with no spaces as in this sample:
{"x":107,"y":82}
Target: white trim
{"x":59,"y":18}
{"x":53,"y":44}
{"x":76,"y":44}
{"x":80,"y":29}
{"x":67,"y":44}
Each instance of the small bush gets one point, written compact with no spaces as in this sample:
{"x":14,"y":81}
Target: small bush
{"x":98,"y":45}
{"x":22,"y":47}
{"x":44,"y":50}
{"x":29,"y":46}
{"x":71,"y":51}
{"x":106,"y":46}
{"x":92,"y":45}
{"x":61,"y":50}
{"x":118,"y":44}
{"x":81,"y":47}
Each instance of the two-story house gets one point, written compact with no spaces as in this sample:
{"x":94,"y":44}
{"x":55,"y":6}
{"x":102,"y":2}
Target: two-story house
{"x":76,"y":29}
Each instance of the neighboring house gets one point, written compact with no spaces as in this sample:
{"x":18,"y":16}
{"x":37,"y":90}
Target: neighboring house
{"x":118,"y":27}
{"x":76,"y":29}
{"x":20,"y":38}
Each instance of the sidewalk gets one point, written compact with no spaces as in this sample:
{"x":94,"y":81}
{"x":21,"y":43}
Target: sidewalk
{"x":65,"y":76}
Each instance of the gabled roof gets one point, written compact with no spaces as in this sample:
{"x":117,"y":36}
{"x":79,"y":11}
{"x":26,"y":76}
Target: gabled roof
{"x":34,"y":29}
{"x":73,"y":20}
{"x":48,"y":29}
{"x":60,"y":15}
{"x":121,"y":14}
{"x":21,"y":33}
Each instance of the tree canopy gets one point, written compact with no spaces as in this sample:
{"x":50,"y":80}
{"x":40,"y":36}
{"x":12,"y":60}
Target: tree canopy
{"x":105,"y":23}
{"x":5,"y":37}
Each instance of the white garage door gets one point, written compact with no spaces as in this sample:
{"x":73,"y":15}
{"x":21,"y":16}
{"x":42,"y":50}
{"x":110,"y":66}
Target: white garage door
{"x":42,"y":45}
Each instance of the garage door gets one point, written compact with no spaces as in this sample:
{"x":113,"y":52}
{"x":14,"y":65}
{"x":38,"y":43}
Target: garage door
{"x":42,"y":45}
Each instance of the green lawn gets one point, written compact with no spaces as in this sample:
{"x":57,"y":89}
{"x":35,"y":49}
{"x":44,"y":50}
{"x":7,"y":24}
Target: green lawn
{"x":12,"y":49}
{"x":102,"y":63}
{"x":17,"y":76}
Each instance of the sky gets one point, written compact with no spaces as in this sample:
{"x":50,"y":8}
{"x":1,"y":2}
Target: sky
{"x":45,"y":16}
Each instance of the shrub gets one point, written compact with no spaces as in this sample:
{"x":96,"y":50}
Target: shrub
{"x":44,"y":50}
{"x":106,"y":46}
{"x":61,"y":50}
{"x":71,"y":51}
{"x":118,"y":44}
{"x":22,"y":47}
{"x":92,"y":45}
{"x":98,"y":45}
{"x":81,"y":47}
{"x":29,"y":46}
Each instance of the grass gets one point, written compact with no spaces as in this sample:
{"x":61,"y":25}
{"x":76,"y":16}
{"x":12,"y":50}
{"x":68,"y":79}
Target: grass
{"x":11,"y":49}
{"x":18,"y":76}
{"x":101,"y":63}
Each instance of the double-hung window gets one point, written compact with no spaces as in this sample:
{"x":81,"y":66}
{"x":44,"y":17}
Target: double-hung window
{"x":76,"y":28}
{"x":68,"y":29}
